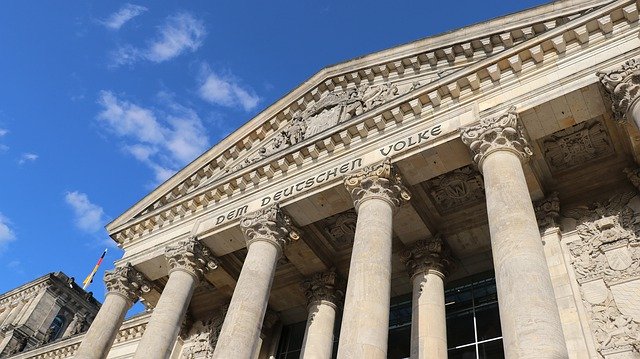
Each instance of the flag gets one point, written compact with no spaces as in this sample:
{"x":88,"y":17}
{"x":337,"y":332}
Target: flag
{"x":89,"y":278}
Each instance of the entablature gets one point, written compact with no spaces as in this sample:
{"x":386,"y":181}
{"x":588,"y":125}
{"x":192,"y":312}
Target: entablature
{"x":471,"y":83}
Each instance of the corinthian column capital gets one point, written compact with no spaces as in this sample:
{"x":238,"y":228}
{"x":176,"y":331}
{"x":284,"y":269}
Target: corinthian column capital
{"x":377,"y":181}
{"x":502,"y":132}
{"x":427,"y":254}
{"x":127,"y":281}
{"x":623,"y":85}
{"x":269,"y":224}
{"x":324,"y":286}
{"x":191,"y":256}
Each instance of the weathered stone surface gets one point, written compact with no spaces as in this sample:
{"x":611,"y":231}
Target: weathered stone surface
{"x":502,"y":132}
{"x":377,"y":181}
{"x":623,"y":85}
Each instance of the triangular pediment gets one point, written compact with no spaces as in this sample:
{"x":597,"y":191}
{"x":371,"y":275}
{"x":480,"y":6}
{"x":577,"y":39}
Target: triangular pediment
{"x":350,"y":92}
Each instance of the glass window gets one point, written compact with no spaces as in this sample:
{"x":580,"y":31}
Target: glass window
{"x":473,"y":321}
{"x":55,"y":329}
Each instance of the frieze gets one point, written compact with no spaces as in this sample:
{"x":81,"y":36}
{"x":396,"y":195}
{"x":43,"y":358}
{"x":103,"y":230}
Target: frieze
{"x":431,"y":95}
{"x":579,"y":144}
{"x":606,"y":262}
{"x":456,"y":189}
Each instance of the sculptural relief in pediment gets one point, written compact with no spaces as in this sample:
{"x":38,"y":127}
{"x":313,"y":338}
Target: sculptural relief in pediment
{"x":330,"y":110}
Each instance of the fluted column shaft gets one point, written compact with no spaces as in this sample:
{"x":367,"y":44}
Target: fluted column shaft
{"x":266,"y":232}
{"x":188,"y":260}
{"x":529,"y":316}
{"x":376,"y":191}
{"x":124,"y":287}
{"x":427,"y":262}
{"x":323,"y":291}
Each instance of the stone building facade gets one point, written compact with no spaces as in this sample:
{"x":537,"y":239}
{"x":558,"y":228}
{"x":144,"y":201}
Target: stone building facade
{"x":47,"y":310}
{"x":470,"y":195}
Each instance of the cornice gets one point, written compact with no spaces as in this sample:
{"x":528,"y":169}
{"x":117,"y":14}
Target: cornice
{"x":436,"y":52}
{"x":430,"y":97}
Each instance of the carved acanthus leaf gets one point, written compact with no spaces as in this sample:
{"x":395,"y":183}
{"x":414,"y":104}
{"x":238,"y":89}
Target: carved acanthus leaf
{"x":269,"y":224}
{"x":127,"y":281}
{"x":623,"y":86}
{"x":327,"y":286}
{"x":427,"y":254}
{"x":190,"y":255}
{"x":381,"y":181}
{"x":494,"y":133}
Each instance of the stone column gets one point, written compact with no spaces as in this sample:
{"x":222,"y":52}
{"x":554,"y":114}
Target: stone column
{"x":427,"y":262}
{"x":188,"y":260}
{"x":376,"y":191}
{"x":623,"y":85}
{"x":124,"y":286}
{"x":529,"y":316}
{"x":323,"y":292}
{"x":266,"y":231}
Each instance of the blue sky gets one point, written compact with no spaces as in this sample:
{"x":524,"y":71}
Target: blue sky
{"x":102,"y":101}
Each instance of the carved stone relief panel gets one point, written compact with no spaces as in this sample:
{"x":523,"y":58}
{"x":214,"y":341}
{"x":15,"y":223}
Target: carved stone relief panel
{"x":331,"y":109}
{"x":340,"y":228}
{"x":457,"y":189}
{"x":203,"y":336}
{"x":577,"y":145}
{"x":606,"y":262}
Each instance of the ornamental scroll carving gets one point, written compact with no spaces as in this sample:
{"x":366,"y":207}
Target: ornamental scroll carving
{"x":324,"y":286}
{"x":127,"y":281}
{"x":427,"y":254}
{"x":269,"y":224}
{"x":190,"y":255}
{"x":499,"y":132}
{"x":380,"y":180}
{"x":623,"y":86}
{"x":331,"y":109}
{"x":606,"y":262}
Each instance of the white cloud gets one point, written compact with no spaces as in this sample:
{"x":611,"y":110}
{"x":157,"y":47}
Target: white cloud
{"x":122,"y":16}
{"x":180,"y":33}
{"x":3,"y":132}
{"x":164,"y":140}
{"x":226,"y":91}
{"x":89,"y":217}
{"x":27,"y":157}
{"x":6,"y":233}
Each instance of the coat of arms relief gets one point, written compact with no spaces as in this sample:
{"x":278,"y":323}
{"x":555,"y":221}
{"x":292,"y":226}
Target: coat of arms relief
{"x":331,"y":109}
{"x":606,"y":261}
